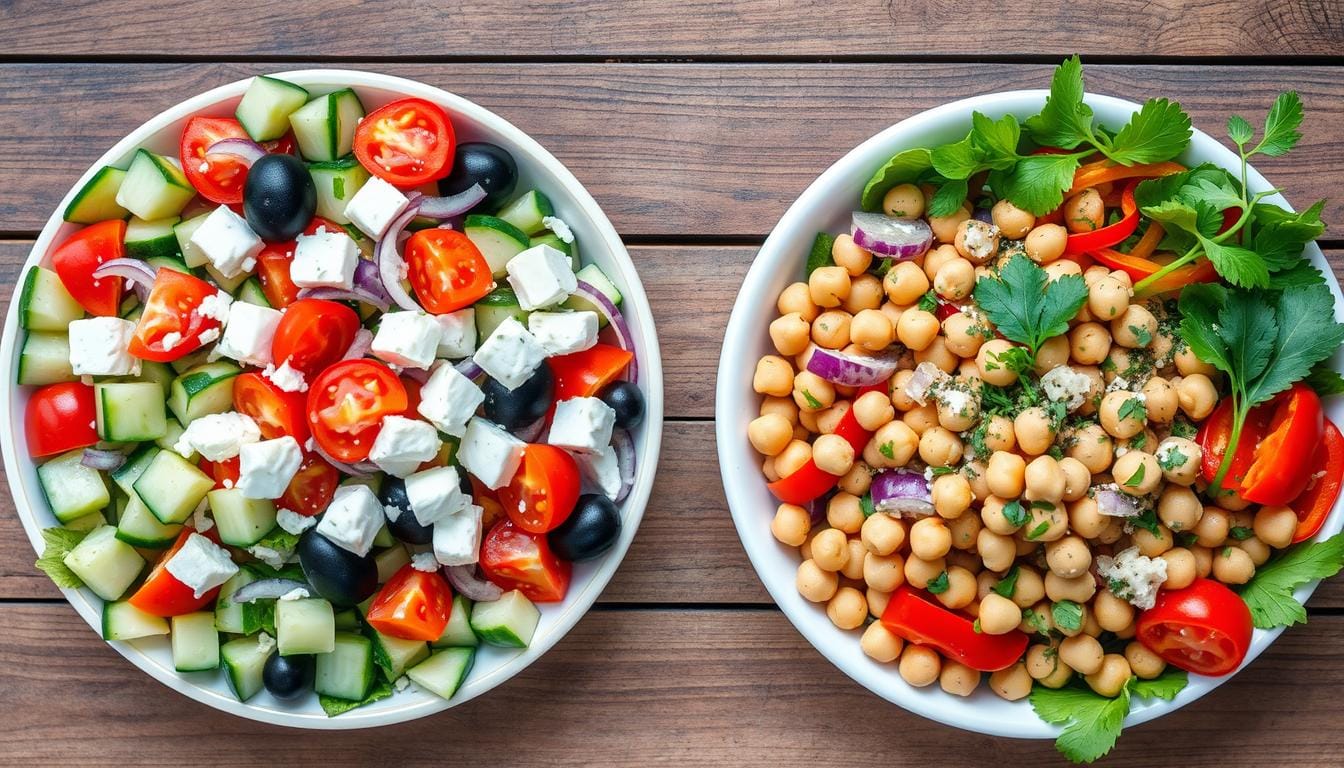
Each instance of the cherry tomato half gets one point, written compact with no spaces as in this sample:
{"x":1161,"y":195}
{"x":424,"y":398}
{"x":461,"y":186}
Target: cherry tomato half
{"x":447,"y":270}
{"x":312,"y":488}
{"x":1281,"y":465}
{"x":277,"y":412}
{"x":273,"y":274}
{"x":412,"y":605}
{"x":225,"y":473}
{"x":60,"y":418}
{"x":515,"y":559}
{"x":347,"y":403}
{"x":1204,"y":628}
{"x":313,"y":334}
{"x":171,"y":309}
{"x":583,"y":374}
{"x":406,"y":143}
{"x":163,"y":594}
{"x":1327,"y":473}
{"x":75,"y":259}
{"x":217,"y":177}
{"x":543,"y":491}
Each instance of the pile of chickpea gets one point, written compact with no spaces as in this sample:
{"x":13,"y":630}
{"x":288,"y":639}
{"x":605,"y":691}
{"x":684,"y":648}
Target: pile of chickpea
{"x":852,"y":563}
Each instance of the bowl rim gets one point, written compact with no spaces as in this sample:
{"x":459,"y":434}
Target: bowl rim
{"x":742,"y":488}
{"x":551,"y":172}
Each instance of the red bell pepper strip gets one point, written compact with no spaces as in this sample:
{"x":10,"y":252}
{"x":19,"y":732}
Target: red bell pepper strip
{"x":1327,"y":475}
{"x":919,"y":620}
{"x":809,"y":482}
{"x":1281,"y":465}
{"x":1215,"y":436}
{"x":1087,"y":242}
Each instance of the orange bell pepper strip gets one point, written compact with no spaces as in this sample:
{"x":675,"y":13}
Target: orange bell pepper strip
{"x":1101,"y":171}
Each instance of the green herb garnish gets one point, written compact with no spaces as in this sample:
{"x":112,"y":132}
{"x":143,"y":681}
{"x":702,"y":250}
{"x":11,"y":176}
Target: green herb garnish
{"x":1026,"y":306}
{"x":938,"y":584}
{"x":1269,"y":594}
{"x":1068,"y":615}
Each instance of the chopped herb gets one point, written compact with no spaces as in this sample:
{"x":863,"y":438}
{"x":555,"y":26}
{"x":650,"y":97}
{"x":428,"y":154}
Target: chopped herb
{"x":1007,"y":584}
{"x":1132,"y":408}
{"x":1138,"y":441}
{"x":940,"y":471}
{"x":929,"y":301}
{"x":812,"y":402}
{"x":1042,"y":504}
{"x":1136,"y":479}
{"x":1039,"y":530}
{"x":1171,"y":458}
{"x":866,"y":505}
{"x":938,"y":584}
{"x":1014,"y":513}
{"x":1147,"y":520}
{"x":1240,"y":532}
{"x":1036,"y":621}
{"x":1068,"y":615}
{"x":886,"y":449}
{"x":1187,"y":539}
{"x":1141,"y":335}
{"x":1227,"y":552}
{"x":1182,"y":428}
{"x":1120,"y":588}
{"x":975,"y":627}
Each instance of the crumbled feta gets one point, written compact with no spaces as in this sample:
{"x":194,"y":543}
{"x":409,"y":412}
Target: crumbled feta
{"x":227,"y":242}
{"x":541,"y":276}
{"x":100,"y":346}
{"x":582,"y":425}
{"x":209,"y":336}
{"x":170,"y":340}
{"x":297,"y":593}
{"x":1064,"y":384}
{"x":559,"y":227}
{"x":457,"y":538}
{"x":324,"y":260}
{"x":200,"y":521}
{"x":401,"y":683}
{"x":408,"y":339}
{"x":272,"y":557}
{"x":511,"y":354}
{"x":925,"y":378}
{"x":353,"y":519}
{"x":458,"y":337}
{"x":424,"y":561}
{"x":265,"y":468}
{"x":265,"y":643}
{"x":201,"y":565}
{"x":562,"y":333}
{"x":489,"y":453}
{"x":248,"y":335}
{"x":449,"y":400}
{"x":218,"y":436}
{"x":403,"y":445}
{"x":980,"y":240}
{"x":1133,"y":577}
{"x":374,"y":206}
{"x":435,"y":493}
{"x":392,"y":511}
{"x":1118,"y":384}
{"x":954,"y":399}
{"x":286,"y":378}
{"x":215,"y":306}
{"x":292,"y":522}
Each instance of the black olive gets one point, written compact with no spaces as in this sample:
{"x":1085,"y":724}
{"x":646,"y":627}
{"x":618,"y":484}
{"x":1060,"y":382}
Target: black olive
{"x":279,"y":197}
{"x":514,"y":409}
{"x":340,"y":576}
{"x":489,"y":165}
{"x":627,"y":401}
{"x":589,"y":530}
{"x":288,"y":677}
{"x":405,"y":527}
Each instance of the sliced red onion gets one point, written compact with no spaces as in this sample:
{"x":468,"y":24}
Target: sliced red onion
{"x":268,"y":589}
{"x":244,"y":149}
{"x":360,"y":346}
{"x":901,"y":492}
{"x":625,"y":461}
{"x":469,"y":585}
{"x":817,"y":508}
{"x":1116,"y":503}
{"x":390,"y":263}
{"x":107,"y":461}
{"x":851,"y":370}
{"x":452,"y":205}
{"x":983,"y":214}
{"x":924,"y":377}
{"x":623,"y":336}
{"x":341,"y":294}
{"x":419,"y":375}
{"x":358,"y":469}
{"x":138,"y":273}
{"x":468,"y":368}
{"x":896,"y":238}
{"x":531,"y":432}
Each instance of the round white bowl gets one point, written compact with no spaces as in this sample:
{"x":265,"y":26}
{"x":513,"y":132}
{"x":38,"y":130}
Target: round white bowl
{"x":825,"y":206}
{"x":600,"y":244}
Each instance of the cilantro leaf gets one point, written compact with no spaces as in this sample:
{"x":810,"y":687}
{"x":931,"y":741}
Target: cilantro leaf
{"x":1165,"y":686}
{"x":1068,"y":615}
{"x":1269,"y":594}
{"x":1199,"y":305}
{"x":1065,"y":121}
{"x":1248,"y":327}
{"x":948,"y":197}
{"x":1281,"y":126}
{"x":1159,"y":131}
{"x":1039,"y":182}
{"x":909,"y":165}
{"x":1239,"y":266}
{"x":1239,"y":130}
{"x":334,"y":706}
{"x":1308,"y":334}
{"x":1091,"y":723}
{"x":1025,"y":306}
{"x":1325,"y":380}
{"x":996,"y":139}
{"x":938,"y":584}
{"x":58,"y":543}
{"x":1006,"y":585}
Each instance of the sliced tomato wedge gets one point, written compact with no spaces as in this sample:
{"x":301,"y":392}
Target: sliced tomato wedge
{"x":412,"y":605}
{"x":276,"y":412}
{"x":543,"y":491}
{"x":515,"y":559}
{"x":347,"y":403}
{"x":313,"y":334}
{"x":584,"y":374}
{"x":225,"y":473}
{"x":810,"y":482}
{"x":273,"y":274}
{"x":1327,"y":474}
{"x":75,"y":259}
{"x":59,"y":418}
{"x":1282,"y":461}
{"x":407,"y":143}
{"x":163,"y":594}
{"x":312,"y":488}
{"x":1204,"y":628}
{"x":217,"y":177}
{"x":917,"y":618}
{"x":170,"y":327}
{"x":446,"y":270}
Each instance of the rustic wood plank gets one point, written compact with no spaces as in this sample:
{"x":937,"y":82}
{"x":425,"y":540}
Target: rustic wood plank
{"x":667,"y":149}
{"x":407,"y":28}
{"x":704,"y":688}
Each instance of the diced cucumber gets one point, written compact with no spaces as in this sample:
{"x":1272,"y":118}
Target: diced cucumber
{"x":242,"y":522}
{"x":205,"y":389}
{"x":594,"y":276}
{"x":147,"y":239}
{"x":106,"y":564}
{"x":126,"y":475}
{"x":267,"y":105}
{"x":569,"y":249}
{"x":347,"y":620}
{"x":496,"y":239}
{"x":390,"y":560}
{"x":244,"y":660}
{"x":251,"y":293}
{"x":72,"y":489}
{"x":172,"y":487}
{"x":395,"y":654}
{"x":158,"y":373}
{"x":171,"y":435}
{"x":325,"y":127}
{"x":88,"y":522}
{"x":170,"y":261}
{"x":140,"y":528}
{"x":444,"y":672}
{"x":238,"y":618}
{"x":384,"y":537}
{"x":509,"y":621}
{"x":44,"y":304}
{"x":195,"y":642}
{"x":495,"y":308}
{"x":226,"y":284}
{"x":97,"y":200}
{"x":191,"y":360}
{"x":130,"y":411}
{"x":304,"y":626}
{"x":123,"y":621}
{"x":45,"y":359}
{"x":527,"y":211}
{"x":337,"y":181}
{"x":154,"y":187}
{"x":192,"y":256}
{"x":347,"y":672}
{"x":458,"y":632}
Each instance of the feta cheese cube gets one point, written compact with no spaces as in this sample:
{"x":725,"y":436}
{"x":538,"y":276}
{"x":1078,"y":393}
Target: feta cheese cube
{"x":435,"y":494}
{"x":408,"y":339}
{"x":511,"y":354}
{"x":457,"y":538}
{"x":265,"y":468}
{"x":201,"y":565}
{"x":218,"y":436}
{"x":324,"y":260}
{"x":561,"y":333}
{"x":424,"y":561}
{"x":403,"y":445}
{"x":540,"y":277}
{"x":247,"y":337}
{"x":286,"y":378}
{"x":1133,"y":577}
{"x":582,"y":425}
{"x":292,"y":522}
{"x":374,"y":206}
{"x":215,"y":306}
{"x":272,"y":557}
{"x":227,"y":242}
{"x":449,"y":400}
{"x":352,"y":519}
{"x":489,"y":453}
{"x":458,"y":339}
{"x":601,"y":471}
{"x":99,"y":346}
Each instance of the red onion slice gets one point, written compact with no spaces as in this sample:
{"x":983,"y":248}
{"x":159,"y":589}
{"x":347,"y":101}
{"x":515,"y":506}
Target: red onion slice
{"x":896,"y":238}
{"x":418,"y":375}
{"x":358,"y":469}
{"x":107,"y":461}
{"x":452,"y":205}
{"x":469,"y":585}
{"x":623,"y":336}
{"x":468,"y":368}
{"x":531,"y":432}
{"x":360,"y":346}
{"x":244,"y":149}
{"x":138,"y":273}
{"x":901,"y":492}
{"x":391,"y":265}
{"x":341,"y":294}
{"x":852,"y":370}
{"x":625,"y":461}
{"x":1115,"y":503}
{"x":817,"y":508}
{"x":268,"y":589}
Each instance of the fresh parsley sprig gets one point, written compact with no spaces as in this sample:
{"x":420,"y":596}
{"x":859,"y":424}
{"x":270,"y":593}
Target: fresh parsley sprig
{"x":1269,"y":594}
{"x":1027,"y":306}
{"x":59,"y":542}
{"x":1092,"y":723}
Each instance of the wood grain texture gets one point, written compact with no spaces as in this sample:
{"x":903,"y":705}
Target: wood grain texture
{"x":667,"y":149}
{"x":634,"y":28}
{"x":648,"y":687}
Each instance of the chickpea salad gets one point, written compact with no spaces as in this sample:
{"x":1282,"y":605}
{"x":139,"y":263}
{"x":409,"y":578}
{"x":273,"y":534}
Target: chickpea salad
{"x":324,"y":403}
{"x":1048,"y":417}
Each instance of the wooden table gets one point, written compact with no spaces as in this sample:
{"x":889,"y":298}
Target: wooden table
{"x":694,"y":124}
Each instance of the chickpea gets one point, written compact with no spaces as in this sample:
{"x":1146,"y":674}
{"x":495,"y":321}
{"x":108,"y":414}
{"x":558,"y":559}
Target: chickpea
{"x":774,"y":376}
{"x":1092,"y":400}
{"x":963,"y":337}
{"x":769,"y":434}
{"x":998,"y":614}
{"x":1030,"y":587}
{"x":939,"y":447}
{"x":929,"y":538}
{"x":1085,"y":212}
{"x":1258,"y":550}
{"x":880,"y":644}
{"x":877,"y":602}
{"x":1046,"y":243}
{"x":899,"y":382}
{"x":1181,"y":568}
{"x":884,"y":572}
{"x":1092,"y":447}
{"x":833,"y":454}
{"x":1082,"y":653}
{"x":797,"y":299}
{"x":999,"y":435}
{"x":1189,"y":364}
{"x":830,"y":549}
{"x":991,"y":361}
{"x":1011,"y":684}
{"x":958,"y":679}
{"x":1013,"y":222}
{"x":790,"y":334}
{"x":853,"y":570}
{"x":829,"y":419}
{"x":784,"y":406}
{"x":997,"y":551}
{"x":1160,"y":400}
{"x":919,"y":665}
{"x":1134,"y":328}
{"x":960,"y":591}
{"x":1045,"y":480}
{"x":1046,"y":667}
{"x":844,"y":513}
{"x":937,"y":354}
{"x":815,"y":584}
{"x":1152,"y":543}
{"x":791,"y":524}
{"x":1069,"y":556}
{"x":847,"y":608}
{"x":1275,"y":526}
{"x":831,"y":329}
{"x":1046,"y":521}
{"x":865,"y":292}
{"x":1231,"y":502}
{"x":882,"y":534}
{"x":917,"y":329}
{"x":1137,"y":473}
{"x":1232,"y":565}
{"x":1107,"y":298}
{"x":873,"y":410}
{"x":1034,"y":432}
{"x":1144,"y":662}
{"x":922,"y":418}
{"x":828,"y":286}
{"x":945,"y":227}
{"x":903,"y":201}
{"x":847,"y":254}
{"x":1052,"y":354}
{"x":918,"y":573}
{"x":1061,"y":267}
{"x":1197,"y":396}
{"x":969,"y":562}
{"x":955,"y":280}
{"x":1180,"y":459}
{"x":1212,"y":528}
{"x":857,"y":481}
{"x":1179,"y":508}
{"x":1089,"y":343}
{"x":1113,"y":614}
{"x":812,"y":393}
{"x":1113,"y":404}
{"x":793,"y":457}
{"x":1079,"y":589}
{"x":977,"y":242}
{"x":1006,"y":474}
{"x":905,"y":283}
{"x":951,"y":495}
{"x":1077,"y":478}
{"x":892,"y":445}
{"x":871,"y":330}
{"x":1110,"y":679}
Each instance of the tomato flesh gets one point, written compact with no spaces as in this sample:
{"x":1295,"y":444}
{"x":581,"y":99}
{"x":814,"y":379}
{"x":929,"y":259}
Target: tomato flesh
{"x":1327,"y":475}
{"x":811,"y":482}
{"x":217,"y":177}
{"x":412,"y":605}
{"x":543,"y":491}
{"x":225,"y":473}
{"x":916,"y":618}
{"x":515,"y":559}
{"x":313,"y":334}
{"x":170,"y":325}
{"x":276,"y":412}
{"x":163,"y":594}
{"x":1215,"y":437}
{"x":447,"y":270}
{"x":59,"y":418}
{"x":583,"y":374}
{"x":312,"y":488}
{"x":347,"y":403}
{"x":1204,"y":628}
{"x":75,"y":259}
{"x":273,"y":274}
{"x":406,"y":143}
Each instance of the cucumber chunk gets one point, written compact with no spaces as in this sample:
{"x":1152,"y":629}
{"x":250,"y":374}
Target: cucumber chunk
{"x":126,"y":475}
{"x":195,"y":642}
{"x":44,"y":304}
{"x":104,"y":563}
{"x":123,"y":621}
{"x":553,"y":240}
{"x":458,"y":633}
{"x":337,"y":181}
{"x":192,"y":255}
{"x":324,"y":128}
{"x":390,"y":560}
{"x":239,"y":618}
{"x":266,"y":106}
{"x":527,"y":211}
{"x":97,"y":200}
{"x":594,"y":276}
{"x":150,"y":239}
{"x":305,"y":626}
{"x":72,"y":489}
{"x":348,"y":671}
{"x":244,"y":660}
{"x":496,"y":239}
{"x":202,"y":390}
{"x":158,"y":373}
{"x":45,"y":359}
{"x":226,"y":284}
{"x":251,"y":293}
{"x":172,"y":487}
{"x":497,"y":306}
{"x":242,"y":521}
{"x":444,"y":672}
{"x":394,"y":654}
{"x":130,"y":411}
{"x":140,"y":528}
{"x":154,"y":187}
{"x":509,"y":621}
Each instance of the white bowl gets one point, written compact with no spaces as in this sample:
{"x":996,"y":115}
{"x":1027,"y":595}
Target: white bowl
{"x":826,"y":206}
{"x":600,"y":244}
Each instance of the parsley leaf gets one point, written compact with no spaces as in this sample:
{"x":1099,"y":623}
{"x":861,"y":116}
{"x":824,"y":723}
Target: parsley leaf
{"x":1325,"y":380}
{"x":1136,"y":479}
{"x":949,"y":197}
{"x":1026,"y":306}
{"x":1240,"y":532}
{"x":866,"y":505}
{"x":59,"y":542}
{"x":1092,"y":723}
{"x":1132,"y":408}
{"x":1171,"y":458}
{"x":1281,"y":126}
{"x":1039,"y":182}
{"x":1239,"y":266}
{"x":1065,"y":121}
{"x":909,"y":165}
{"x":1068,"y":615}
{"x":1159,"y":131}
{"x":1038,"y":531}
{"x":1007,"y":584}
{"x":1014,"y":513}
{"x":334,"y":706}
{"x":938,"y":584}
{"x":1165,"y":686}
{"x":886,"y":449}
{"x":1269,"y":594}
{"x":929,"y":301}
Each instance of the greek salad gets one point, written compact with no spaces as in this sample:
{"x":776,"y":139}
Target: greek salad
{"x":1048,"y":416}
{"x":324,"y":398}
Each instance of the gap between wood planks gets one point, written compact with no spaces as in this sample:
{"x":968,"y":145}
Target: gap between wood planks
{"x":1300,"y":60}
